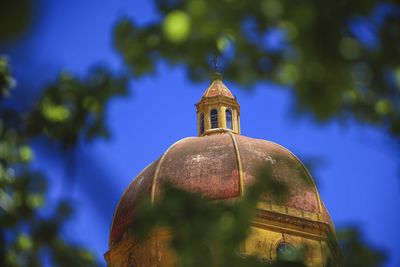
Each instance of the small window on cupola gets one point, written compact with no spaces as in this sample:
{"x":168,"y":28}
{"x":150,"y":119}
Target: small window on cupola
{"x":228,"y":115}
{"x":201,"y":123}
{"x":214,"y":118}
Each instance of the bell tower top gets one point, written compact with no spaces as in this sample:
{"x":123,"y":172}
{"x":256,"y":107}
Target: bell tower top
{"x":218,"y":110}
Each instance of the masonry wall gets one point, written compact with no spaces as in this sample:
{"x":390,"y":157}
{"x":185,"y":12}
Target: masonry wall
{"x":155,"y":251}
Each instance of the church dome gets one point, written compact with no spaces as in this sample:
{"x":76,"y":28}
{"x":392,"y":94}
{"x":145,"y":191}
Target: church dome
{"x":221,"y":166}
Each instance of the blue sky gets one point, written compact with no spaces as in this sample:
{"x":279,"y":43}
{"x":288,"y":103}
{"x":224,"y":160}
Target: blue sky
{"x":358,"y":176}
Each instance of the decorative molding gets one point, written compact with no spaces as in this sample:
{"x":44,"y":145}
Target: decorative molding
{"x":305,"y":227}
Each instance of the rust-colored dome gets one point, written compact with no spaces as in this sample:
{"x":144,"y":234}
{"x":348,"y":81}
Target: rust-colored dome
{"x":221,"y":166}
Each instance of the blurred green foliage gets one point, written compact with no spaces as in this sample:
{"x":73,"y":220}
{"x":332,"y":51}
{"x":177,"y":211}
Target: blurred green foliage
{"x":15,"y":17}
{"x":331,"y":69}
{"x":30,"y":228}
{"x":356,"y":252}
{"x":72,"y":107}
{"x":6,"y":81}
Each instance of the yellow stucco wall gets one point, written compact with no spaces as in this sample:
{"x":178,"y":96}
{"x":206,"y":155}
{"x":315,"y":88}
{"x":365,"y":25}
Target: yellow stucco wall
{"x":155,"y":251}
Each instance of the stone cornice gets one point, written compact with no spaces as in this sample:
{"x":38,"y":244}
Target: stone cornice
{"x":218,"y":100}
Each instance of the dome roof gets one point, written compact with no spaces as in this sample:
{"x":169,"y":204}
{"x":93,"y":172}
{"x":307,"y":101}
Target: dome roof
{"x":222,"y":166}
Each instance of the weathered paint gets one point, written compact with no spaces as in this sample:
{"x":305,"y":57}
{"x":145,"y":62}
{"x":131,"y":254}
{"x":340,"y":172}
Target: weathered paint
{"x":209,"y":165}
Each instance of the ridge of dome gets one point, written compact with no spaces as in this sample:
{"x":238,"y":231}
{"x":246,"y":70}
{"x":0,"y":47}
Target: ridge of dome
{"x":153,"y":186}
{"x":309,"y":176}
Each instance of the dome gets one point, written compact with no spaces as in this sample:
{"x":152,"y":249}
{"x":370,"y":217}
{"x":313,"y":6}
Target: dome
{"x":221,"y":166}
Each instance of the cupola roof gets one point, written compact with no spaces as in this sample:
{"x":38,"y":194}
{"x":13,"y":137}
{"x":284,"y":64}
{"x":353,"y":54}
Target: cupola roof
{"x":218,"y":88}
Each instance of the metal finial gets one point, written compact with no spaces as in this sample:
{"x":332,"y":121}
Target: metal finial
{"x":214,"y":62}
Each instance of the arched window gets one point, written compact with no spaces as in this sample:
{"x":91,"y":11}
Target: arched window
{"x":201,"y":123}
{"x":228,"y":115}
{"x":285,"y":251}
{"x":214,"y":118}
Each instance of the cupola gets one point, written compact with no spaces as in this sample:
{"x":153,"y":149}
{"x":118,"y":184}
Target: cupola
{"x":218,"y":110}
